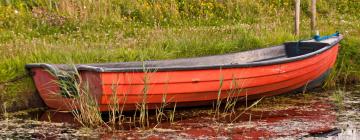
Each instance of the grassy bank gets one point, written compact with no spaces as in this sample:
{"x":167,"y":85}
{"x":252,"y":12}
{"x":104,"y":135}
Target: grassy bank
{"x":69,"y":31}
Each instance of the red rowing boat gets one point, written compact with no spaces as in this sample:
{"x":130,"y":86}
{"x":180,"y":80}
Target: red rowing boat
{"x":194,"y":81}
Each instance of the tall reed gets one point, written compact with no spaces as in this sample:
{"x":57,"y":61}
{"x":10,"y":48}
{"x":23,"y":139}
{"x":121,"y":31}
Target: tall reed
{"x":233,"y":96}
{"x":172,"y":114}
{"x":219,"y":98}
{"x":160,"y":110}
{"x":114,"y":104}
{"x":246,"y":109}
{"x":142,"y":107}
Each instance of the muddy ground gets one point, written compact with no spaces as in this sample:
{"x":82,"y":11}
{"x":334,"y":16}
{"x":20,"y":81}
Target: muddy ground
{"x":308,"y":116}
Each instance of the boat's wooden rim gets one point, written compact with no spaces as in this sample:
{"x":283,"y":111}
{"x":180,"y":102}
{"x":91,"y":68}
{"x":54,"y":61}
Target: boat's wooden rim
{"x":331,"y":42}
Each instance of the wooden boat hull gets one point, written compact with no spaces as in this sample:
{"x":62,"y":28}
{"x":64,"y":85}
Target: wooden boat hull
{"x":189,"y":87}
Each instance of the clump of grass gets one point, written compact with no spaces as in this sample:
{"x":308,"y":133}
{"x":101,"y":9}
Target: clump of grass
{"x":338,"y":97}
{"x":85,"y":107}
{"x":231,"y":99}
{"x":114,"y":105}
{"x":172,"y":114}
{"x":121,"y":105}
{"x":160,"y":110}
{"x":88,"y":112}
{"x":143,"y":107}
{"x":233,"y":96}
{"x":334,"y":76}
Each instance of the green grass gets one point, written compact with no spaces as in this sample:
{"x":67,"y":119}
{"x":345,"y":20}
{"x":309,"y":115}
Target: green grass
{"x":338,"y":97}
{"x":82,"y":31}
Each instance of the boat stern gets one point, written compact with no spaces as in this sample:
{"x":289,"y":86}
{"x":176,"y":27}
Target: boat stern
{"x":48,"y":88}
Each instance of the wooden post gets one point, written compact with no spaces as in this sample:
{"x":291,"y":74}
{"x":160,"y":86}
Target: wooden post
{"x":297,"y":17}
{"x":313,"y":16}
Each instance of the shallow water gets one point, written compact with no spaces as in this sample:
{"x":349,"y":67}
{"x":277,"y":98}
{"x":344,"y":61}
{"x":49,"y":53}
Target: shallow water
{"x":348,"y":116}
{"x":307,"y":116}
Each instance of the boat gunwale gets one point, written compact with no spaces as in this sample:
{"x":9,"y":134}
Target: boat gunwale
{"x":88,"y":67}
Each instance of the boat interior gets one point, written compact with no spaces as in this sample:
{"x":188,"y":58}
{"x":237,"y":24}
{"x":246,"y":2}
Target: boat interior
{"x":287,"y":50}
{"x":246,"y":58}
